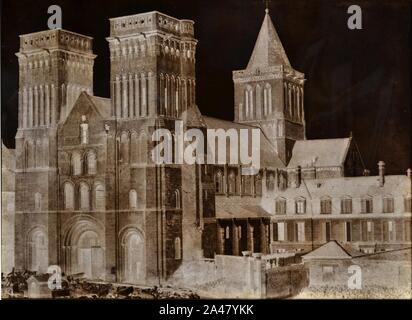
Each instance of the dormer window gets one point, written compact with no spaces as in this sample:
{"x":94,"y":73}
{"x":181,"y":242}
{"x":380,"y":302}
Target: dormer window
{"x":300,"y":205}
{"x":388,"y":204}
{"x":84,"y":131}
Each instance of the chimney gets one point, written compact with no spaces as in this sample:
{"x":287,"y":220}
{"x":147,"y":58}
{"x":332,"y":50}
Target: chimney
{"x":381,"y":166}
{"x":298,"y":176}
{"x":409,"y":173}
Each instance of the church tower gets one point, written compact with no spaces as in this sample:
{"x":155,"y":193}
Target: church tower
{"x":153,"y":85}
{"x":55,"y":66}
{"x":152,"y":66}
{"x":269,"y":92}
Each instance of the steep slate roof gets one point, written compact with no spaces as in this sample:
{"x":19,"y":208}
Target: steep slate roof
{"x":268,"y":50}
{"x":268,"y":155}
{"x":323,"y":152}
{"x":239,"y":207}
{"x":331,"y":250}
{"x":337,"y":188}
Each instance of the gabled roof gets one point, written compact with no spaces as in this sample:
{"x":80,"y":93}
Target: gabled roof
{"x":329,"y":251}
{"x":268,"y":155}
{"x":268,"y":50}
{"x":319,"y":152}
{"x":101,"y":105}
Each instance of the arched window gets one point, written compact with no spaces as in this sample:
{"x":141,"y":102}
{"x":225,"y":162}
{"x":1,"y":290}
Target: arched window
{"x":76,"y":164}
{"x":251,"y":104}
{"x":134,"y":148}
{"x":219,"y":182}
{"x":91,"y":162}
{"x":232,"y":182}
{"x":37,"y":201}
{"x":84,"y":196}
{"x":259,"y":104}
{"x":268,"y":99}
{"x":39,"y":154}
{"x":178,"y":248}
{"x":177,"y":199}
{"x":326,"y":205}
{"x":132,"y":199}
{"x":142,"y":150}
{"x":29,"y":153}
{"x":124,"y":147}
{"x":68,"y":196}
{"x":246,"y":104}
{"x":99,"y":197}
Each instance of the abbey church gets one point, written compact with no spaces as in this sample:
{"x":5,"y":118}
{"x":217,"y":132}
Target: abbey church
{"x":89,"y":198}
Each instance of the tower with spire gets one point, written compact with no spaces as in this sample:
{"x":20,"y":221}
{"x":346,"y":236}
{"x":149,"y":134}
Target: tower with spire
{"x":269,"y":92}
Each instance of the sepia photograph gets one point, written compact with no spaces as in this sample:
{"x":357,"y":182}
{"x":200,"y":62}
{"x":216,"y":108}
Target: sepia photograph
{"x":196,"y":150}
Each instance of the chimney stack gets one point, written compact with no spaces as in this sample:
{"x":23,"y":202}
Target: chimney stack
{"x":381,"y":166}
{"x":298,"y":176}
{"x":409,"y":173}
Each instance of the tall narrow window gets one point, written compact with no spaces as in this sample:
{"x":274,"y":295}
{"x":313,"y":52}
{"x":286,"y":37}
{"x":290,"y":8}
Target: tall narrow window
{"x":348,"y":231}
{"x":178,"y":248}
{"x":76,"y":164}
{"x":328,"y":231}
{"x":232,"y":182}
{"x":177,"y":199}
{"x":268,"y":90}
{"x":366,"y":205}
{"x":280,"y":206}
{"x":37,"y":201}
{"x":346,"y":205}
{"x":91,"y":162}
{"x":68,"y":196}
{"x":124,"y":147}
{"x":84,"y":131}
{"x":99,"y":196}
{"x":132,"y":199}
{"x":408,"y":204}
{"x":219,"y":182}
{"x":84,"y":196}
{"x":388,"y":204}
{"x":281,"y":226}
{"x":246,"y":104}
{"x":300,"y":231}
{"x":326,"y":206}
{"x":300,"y":206}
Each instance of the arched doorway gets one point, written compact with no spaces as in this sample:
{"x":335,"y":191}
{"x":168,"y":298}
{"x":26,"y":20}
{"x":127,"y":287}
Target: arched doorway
{"x":133,"y":258}
{"x":83,"y":250}
{"x":37,"y":250}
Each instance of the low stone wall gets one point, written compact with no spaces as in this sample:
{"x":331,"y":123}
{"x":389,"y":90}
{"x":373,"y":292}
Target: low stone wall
{"x":286,"y":281}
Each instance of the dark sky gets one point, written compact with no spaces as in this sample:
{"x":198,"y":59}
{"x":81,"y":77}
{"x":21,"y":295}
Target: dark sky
{"x":357,"y":81}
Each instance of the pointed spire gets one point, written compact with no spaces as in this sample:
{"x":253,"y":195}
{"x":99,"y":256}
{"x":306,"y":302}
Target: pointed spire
{"x":268,"y":49}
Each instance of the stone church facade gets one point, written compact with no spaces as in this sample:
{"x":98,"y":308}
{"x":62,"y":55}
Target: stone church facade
{"x":90,"y":199}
